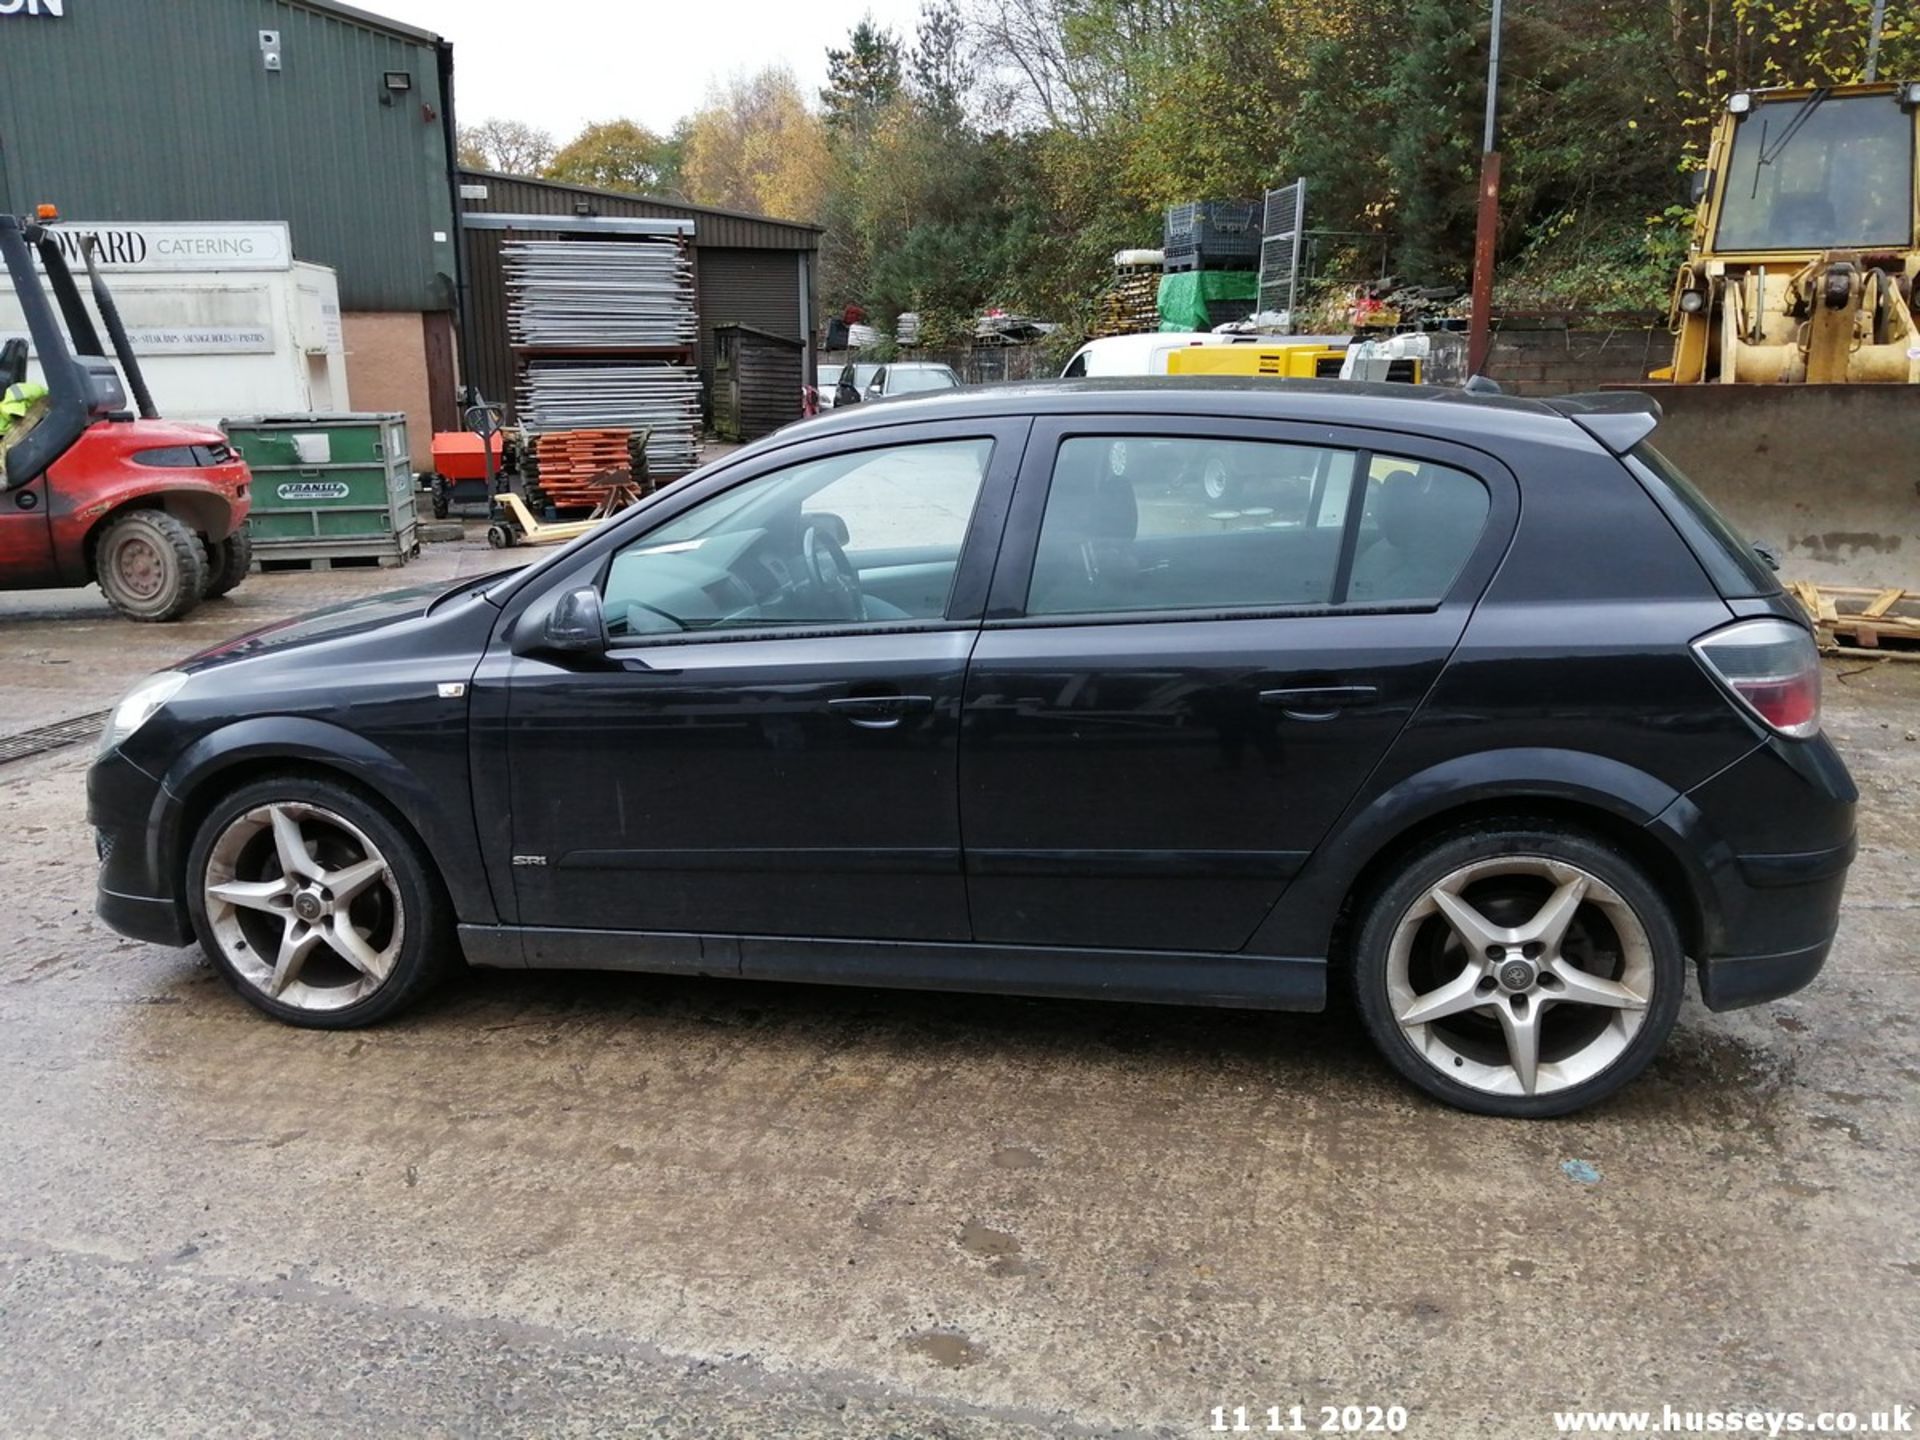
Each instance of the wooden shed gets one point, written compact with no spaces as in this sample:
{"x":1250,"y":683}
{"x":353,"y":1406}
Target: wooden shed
{"x":757,"y":377}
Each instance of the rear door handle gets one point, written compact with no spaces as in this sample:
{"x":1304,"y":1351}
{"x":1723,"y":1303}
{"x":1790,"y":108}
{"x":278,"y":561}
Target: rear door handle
{"x":879,"y":712}
{"x":1319,"y":702}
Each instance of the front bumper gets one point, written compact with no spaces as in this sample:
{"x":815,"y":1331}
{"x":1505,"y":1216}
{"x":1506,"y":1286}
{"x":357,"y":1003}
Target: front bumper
{"x":132,"y":895}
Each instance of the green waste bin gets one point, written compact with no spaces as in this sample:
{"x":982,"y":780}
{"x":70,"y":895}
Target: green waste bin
{"x":329,"y":487}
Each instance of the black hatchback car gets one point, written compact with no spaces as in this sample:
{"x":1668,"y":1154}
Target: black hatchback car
{"x":1469,"y":703}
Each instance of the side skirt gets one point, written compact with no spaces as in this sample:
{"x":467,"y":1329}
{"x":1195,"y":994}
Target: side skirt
{"x":1253,"y":982}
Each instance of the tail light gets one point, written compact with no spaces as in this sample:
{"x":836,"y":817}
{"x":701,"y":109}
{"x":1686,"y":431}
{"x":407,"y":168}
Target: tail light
{"x":1772,"y":668}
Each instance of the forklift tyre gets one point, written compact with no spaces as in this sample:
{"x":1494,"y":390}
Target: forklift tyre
{"x":499,"y":537}
{"x":150,"y":565}
{"x":228,"y":563}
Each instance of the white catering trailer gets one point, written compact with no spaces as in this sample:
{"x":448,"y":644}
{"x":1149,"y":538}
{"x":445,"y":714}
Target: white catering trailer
{"x":224,"y":319}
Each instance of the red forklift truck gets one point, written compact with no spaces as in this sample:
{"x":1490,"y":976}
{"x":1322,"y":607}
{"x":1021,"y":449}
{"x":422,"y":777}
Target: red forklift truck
{"x":153,"y":510}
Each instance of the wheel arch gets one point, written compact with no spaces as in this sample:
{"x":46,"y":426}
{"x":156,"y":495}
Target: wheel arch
{"x":1607,"y":798}
{"x":205,"y":512}
{"x":1640,"y":845}
{"x":220,"y":763}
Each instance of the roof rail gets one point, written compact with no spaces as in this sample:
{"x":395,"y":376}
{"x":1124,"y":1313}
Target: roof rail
{"x":1618,"y":419}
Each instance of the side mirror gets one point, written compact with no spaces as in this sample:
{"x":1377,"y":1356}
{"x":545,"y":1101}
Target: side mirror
{"x":1699,"y":186}
{"x":576,"y":625}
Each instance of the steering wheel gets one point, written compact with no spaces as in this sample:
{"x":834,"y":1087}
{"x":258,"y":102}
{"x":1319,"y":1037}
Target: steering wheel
{"x":832,"y":573}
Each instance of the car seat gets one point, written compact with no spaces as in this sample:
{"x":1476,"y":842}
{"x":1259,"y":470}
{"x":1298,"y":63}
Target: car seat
{"x":13,"y":363}
{"x":1086,"y":558}
{"x":1428,"y":523}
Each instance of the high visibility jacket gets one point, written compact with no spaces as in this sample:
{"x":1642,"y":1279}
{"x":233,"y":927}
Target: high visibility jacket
{"x":17,"y":400}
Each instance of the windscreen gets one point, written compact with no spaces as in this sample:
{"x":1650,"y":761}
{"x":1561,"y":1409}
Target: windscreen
{"x":1819,"y":174}
{"x":902,"y":381}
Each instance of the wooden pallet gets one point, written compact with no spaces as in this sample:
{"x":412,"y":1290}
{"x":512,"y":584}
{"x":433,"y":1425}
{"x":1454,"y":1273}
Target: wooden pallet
{"x":1854,"y":618}
{"x":273,"y":564}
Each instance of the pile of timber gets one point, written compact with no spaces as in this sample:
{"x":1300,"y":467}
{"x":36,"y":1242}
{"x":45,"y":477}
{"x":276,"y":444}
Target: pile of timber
{"x":1854,"y":619}
{"x":578,"y":467}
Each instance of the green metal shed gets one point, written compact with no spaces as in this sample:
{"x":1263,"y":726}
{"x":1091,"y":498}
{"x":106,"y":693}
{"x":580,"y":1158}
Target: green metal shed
{"x":307,"y":111}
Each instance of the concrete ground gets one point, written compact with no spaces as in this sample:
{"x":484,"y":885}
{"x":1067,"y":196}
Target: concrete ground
{"x":599,"y":1205}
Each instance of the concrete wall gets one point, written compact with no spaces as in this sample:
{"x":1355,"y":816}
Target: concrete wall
{"x":1555,"y":360}
{"x":387,"y":370}
{"x":1829,"y":475}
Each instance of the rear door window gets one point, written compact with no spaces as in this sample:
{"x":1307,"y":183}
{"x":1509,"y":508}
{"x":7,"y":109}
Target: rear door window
{"x":1137,"y":523}
{"x":1736,"y":569}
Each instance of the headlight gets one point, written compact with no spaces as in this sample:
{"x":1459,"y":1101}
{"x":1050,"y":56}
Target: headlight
{"x":141,"y":704}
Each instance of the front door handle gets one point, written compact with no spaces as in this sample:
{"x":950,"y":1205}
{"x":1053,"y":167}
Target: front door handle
{"x":879,"y":712}
{"x":1319,"y":702}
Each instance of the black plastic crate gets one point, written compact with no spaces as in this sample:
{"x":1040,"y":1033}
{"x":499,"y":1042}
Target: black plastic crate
{"x":1228,"y":312}
{"x":1217,"y":234}
{"x":1194,"y":260}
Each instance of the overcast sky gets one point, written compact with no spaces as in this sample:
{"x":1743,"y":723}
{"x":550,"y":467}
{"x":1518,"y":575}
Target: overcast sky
{"x":560,"y":63}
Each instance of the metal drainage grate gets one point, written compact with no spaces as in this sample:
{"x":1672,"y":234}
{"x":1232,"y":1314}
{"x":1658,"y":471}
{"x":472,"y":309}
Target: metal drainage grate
{"x":52,"y":737}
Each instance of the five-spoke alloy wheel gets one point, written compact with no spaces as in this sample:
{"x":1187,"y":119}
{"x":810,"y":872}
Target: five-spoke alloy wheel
{"x":314,"y":903}
{"x":1519,"y":971}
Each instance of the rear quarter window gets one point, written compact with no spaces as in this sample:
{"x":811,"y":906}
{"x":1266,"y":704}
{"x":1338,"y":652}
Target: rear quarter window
{"x":1736,"y":569}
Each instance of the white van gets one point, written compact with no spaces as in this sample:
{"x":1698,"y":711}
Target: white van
{"x":1140,"y":354}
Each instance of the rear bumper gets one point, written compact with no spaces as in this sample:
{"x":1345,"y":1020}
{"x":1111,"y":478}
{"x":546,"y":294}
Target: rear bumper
{"x":1767,"y":843}
{"x":1790,"y":904}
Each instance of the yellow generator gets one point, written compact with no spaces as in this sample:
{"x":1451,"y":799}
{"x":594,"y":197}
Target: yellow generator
{"x":1311,"y":361}
{"x":1806,"y":242}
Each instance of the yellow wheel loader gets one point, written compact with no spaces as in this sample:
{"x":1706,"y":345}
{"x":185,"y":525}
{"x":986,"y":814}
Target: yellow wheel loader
{"x":1806,"y":242}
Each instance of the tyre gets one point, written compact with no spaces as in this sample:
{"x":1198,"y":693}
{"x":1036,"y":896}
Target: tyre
{"x":150,"y":565}
{"x":437,"y":491}
{"x":1216,"y":480}
{"x":316,"y":905}
{"x":1518,"y":969}
{"x":499,"y":537}
{"x":228,"y":563}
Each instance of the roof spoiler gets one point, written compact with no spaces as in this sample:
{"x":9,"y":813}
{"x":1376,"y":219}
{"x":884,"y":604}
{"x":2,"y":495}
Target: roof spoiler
{"x":1618,"y":419}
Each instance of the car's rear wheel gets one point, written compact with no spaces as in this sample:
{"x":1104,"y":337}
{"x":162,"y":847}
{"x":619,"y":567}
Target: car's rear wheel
{"x":228,"y":562}
{"x":1519,"y":970}
{"x":316,"y":906}
{"x":150,"y":565}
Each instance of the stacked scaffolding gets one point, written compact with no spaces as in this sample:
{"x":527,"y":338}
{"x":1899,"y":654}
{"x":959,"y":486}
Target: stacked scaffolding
{"x":576,"y":395}
{"x":604,"y":333}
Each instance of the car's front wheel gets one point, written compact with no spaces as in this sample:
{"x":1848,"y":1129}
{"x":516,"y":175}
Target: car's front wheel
{"x":315,"y":904}
{"x":1519,"y":970}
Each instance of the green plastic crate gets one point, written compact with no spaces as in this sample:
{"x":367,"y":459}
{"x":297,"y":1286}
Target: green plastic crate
{"x":329,"y":486}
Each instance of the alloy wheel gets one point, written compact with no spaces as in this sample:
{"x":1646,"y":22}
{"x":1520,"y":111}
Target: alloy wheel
{"x":1520,"y":975}
{"x":303,"y":906}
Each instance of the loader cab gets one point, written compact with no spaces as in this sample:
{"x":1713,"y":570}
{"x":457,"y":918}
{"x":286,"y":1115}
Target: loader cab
{"x":1805,"y":171}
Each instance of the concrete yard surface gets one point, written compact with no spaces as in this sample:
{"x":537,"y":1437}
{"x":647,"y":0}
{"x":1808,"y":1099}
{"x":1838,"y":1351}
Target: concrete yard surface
{"x":557,"y":1205}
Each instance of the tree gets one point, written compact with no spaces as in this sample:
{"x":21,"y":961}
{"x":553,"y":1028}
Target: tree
{"x":861,"y":79}
{"x":755,"y":146}
{"x":508,"y":146}
{"x":938,"y":70}
{"x":618,"y":155}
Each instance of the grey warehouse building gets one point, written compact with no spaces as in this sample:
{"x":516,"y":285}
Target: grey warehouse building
{"x":340,"y":123}
{"x":325,"y":117}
